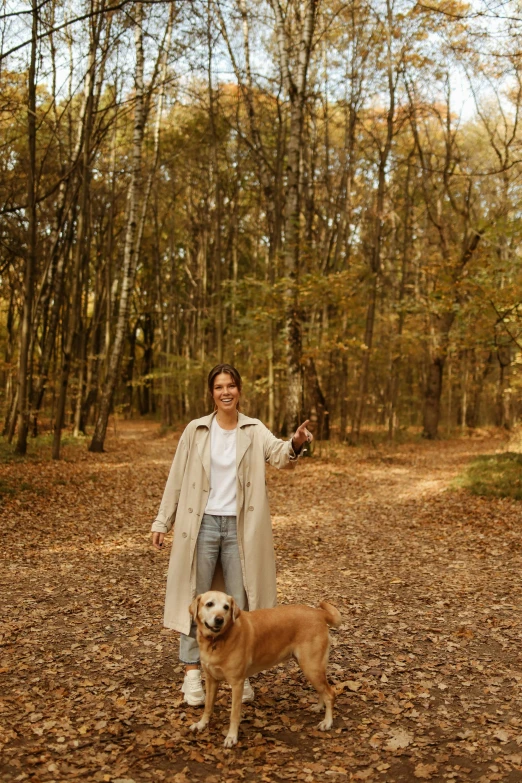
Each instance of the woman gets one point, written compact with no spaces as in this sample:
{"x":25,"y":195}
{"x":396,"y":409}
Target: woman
{"x":216,"y":494}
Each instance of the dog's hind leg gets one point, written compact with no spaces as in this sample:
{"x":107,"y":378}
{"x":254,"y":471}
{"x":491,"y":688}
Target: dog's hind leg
{"x":211,"y":687}
{"x":316,"y":676}
{"x":329,"y":700}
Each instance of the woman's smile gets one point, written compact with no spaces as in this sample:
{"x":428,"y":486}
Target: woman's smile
{"x":225,"y":393}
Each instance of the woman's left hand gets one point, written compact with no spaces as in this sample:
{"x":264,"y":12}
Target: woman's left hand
{"x":302,"y":435}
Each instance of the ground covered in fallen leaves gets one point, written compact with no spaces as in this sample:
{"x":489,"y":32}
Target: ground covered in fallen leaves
{"x":427,"y":663}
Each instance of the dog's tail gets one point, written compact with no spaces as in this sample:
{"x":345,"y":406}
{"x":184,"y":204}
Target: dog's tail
{"x":331,"y":614}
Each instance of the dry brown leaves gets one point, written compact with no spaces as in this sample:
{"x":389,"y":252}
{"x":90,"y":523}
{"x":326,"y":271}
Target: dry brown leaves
{"x":426,"y":664}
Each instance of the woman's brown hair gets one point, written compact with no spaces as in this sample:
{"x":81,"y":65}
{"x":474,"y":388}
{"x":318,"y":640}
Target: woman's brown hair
{"x":229,"y":370}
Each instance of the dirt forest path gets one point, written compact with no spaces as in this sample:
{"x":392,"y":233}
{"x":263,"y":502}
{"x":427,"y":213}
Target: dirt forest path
{"x":427,"y":663}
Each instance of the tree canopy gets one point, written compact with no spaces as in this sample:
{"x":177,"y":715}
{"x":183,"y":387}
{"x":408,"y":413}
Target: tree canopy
{"x":324,"y":194}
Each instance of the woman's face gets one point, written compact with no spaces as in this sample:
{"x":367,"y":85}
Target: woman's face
{"x":225,"y":393}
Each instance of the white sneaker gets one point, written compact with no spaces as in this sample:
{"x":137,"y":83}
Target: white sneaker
{"x":248,"y":691}
{"x":193,"y":688}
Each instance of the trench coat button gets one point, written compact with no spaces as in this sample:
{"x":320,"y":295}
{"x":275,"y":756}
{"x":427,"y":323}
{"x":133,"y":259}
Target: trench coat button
{"x":248,"y":483}
{"x":251,"y":508}
{"x":184,"y":535}
{"x":190,"y":511}
{"x":194,"y":485}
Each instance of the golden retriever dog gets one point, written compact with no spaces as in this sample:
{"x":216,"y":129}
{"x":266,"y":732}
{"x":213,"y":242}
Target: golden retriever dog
{"x":234,"y":645}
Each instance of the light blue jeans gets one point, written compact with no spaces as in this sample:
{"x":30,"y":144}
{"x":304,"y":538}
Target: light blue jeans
{"x":216,"y":535}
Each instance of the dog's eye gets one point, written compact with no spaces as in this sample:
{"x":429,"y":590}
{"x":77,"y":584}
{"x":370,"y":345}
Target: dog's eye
{"x":209,"y":604}
{"x":226,"y":607}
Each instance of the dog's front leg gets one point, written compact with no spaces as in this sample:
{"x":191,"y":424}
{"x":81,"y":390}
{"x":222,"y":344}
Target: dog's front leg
{"x":235,"y":714}
{"x":211,"y":686}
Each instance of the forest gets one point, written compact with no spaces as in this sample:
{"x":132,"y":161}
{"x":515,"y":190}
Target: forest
{"x":324,"y":193}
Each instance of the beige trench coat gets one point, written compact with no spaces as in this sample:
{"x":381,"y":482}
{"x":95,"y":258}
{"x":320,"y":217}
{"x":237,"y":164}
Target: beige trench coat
{"x":184,"y":502}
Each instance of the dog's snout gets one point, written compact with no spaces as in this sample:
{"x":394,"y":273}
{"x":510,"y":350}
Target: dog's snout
{"x":219,"y":620}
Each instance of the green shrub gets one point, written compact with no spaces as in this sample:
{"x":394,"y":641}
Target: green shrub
{"x":38,"y":448}
{"x":494,"y":475}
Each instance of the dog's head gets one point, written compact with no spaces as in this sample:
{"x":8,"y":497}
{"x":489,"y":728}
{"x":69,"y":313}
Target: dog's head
{"x":214,"y":612}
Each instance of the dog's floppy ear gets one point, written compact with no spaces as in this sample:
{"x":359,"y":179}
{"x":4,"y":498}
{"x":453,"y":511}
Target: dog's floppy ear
{"x":234,"y":608}
{"x":193,"y":608}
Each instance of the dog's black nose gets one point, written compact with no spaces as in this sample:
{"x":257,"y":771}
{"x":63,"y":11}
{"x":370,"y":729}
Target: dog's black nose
{"x":219,"y":620}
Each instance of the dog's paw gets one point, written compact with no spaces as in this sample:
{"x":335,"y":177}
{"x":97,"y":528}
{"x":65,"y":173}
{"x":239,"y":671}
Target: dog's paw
{"x":199,"y":726}
{"x":317,"y":707}
{"x":230,"y":740}
{"x":325,"y":725}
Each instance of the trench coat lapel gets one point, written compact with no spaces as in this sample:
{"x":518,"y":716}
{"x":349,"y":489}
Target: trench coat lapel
{"x":203,"y":443}
{"x":243,"y":440}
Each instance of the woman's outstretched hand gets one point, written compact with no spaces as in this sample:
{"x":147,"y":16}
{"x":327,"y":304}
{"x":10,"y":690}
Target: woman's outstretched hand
{"x":157,"y":540}
{"x":302,"y":435}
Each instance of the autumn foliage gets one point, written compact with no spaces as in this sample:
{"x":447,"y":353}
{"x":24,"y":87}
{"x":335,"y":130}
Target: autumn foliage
{"x":325,"y":194}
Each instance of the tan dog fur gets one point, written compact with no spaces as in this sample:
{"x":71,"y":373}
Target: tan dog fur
{"x":234,"y":645}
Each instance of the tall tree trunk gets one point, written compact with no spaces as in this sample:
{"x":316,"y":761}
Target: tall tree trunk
{"x":30,"y":259}
{"x":295,"y":84}
{"x":216,"y":183}
{"x":82,"y":233}
{"x":60,"y":253}
{"x":291,"y":262}
{"x":376,"y":250}
{"x":11,"y":390}
{"x":82,"y":377}
{"x":397,"y":348}
{"x":129,"y":253}
{"x":365,"y":363}
{"x":50,"y":301}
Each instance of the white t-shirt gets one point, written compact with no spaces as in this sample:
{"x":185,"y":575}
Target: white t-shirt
{"x":222,"y":495}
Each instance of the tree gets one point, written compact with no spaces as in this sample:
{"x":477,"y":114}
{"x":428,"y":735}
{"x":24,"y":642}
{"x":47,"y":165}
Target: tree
{"x":130,"y":247}
{"x":295,"y":23}
{"x":24,"y":369}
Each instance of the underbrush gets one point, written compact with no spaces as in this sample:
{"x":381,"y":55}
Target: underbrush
{"x":39,"y":448}
{"x":494,"y":475}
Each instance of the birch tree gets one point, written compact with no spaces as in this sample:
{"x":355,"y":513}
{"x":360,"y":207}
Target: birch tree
{"x":294,"y":30}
